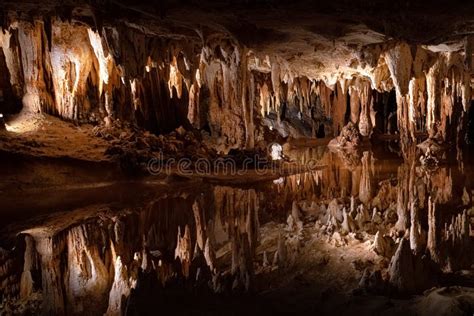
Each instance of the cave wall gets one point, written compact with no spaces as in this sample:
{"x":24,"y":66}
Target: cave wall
{"x":101,"y":74}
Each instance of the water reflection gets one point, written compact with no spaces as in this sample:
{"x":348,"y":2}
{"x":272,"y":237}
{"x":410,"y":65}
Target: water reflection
{"x":221,"y":239}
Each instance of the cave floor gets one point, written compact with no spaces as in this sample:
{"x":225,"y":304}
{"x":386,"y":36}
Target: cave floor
{"x":42,"y":135}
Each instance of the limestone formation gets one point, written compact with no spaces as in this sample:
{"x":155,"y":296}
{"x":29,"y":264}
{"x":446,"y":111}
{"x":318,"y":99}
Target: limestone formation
{"x":168,"y":151}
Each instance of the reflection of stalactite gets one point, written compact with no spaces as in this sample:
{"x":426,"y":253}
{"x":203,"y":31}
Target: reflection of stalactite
{"x":29,"y":266}
{"x":365,"y":188}
{"x":417,"y":234}
{"x":433,"y":234}
{"x":49,"y":249}
{"x":87,"y":276}
{"x":97,"y":266}
{"x":441,"y":184}
{"x":120,"y":289}
{"x":403,"y":197}
{"x":457,"y":242}
{"x":183,"y":249}
{"x":241,"y":208}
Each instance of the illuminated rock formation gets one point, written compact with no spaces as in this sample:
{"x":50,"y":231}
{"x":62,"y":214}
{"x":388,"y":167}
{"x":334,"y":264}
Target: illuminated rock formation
{"x":92,"y":73}
{"x":361,"y":112}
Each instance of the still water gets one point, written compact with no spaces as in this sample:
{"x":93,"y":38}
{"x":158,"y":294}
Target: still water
{"x":300,"y":243}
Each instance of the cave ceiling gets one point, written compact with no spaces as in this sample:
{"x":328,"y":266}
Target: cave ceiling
{"x":320,"y":40}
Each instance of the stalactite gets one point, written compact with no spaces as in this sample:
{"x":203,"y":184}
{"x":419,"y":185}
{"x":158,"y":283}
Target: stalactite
{"x":11,"y":51}
{"x":247,"y":102}
{"x":399,"y":61}
{"x":276,"y":81}
{"x":176,"y":79}
{"x":106,"y":68}
{"x":193,"y":107}
{"x":366,"y":101}
{"x":355,"y":105}
{"x":30,"y":38}
{"x":339,"y":109}
{"x":71,"y":60}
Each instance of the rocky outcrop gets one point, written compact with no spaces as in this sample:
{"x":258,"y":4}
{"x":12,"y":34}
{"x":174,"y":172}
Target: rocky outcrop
{"x":350,"y":137}
{"x":410,"y":273}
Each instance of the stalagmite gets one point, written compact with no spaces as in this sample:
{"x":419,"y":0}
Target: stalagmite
{"x":348,"y":224}
{"x":466,"y":199}
{"x":362,"y":216}
{"x":281,"y":254}
{"x":348,"y":138}
{"x":383,"y":245}
{"x":265,"y":262}
{"x":402,"y":270}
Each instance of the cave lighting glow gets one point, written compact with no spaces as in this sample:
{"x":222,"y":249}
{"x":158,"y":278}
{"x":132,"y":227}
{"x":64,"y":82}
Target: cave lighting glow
{"x":276,"y":151}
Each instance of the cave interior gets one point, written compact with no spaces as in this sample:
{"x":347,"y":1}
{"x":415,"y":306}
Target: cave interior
{"x":236,"y":156}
